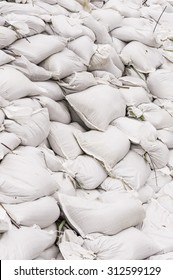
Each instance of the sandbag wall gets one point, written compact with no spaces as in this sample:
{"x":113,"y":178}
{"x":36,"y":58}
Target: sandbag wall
{"x":86,"y":118}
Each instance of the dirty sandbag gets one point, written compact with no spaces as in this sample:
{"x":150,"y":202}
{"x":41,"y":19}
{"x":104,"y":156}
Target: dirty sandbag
{"x":25,"y":177}
{"x":9,"y":87}
{"x":42,"y":212}
{"x":106,"y":218}
{"x":35,"y":48}
{"x":62,"y":140}
{"x":87,"y":171}
{"x":91,"y":104}
{"x":63,"y":64}
{"x":25,"y":243}
{"x":77,"y":82}
{"x":58,"y":111}
{"x":31,"y":130}
{"x":109,"y":146}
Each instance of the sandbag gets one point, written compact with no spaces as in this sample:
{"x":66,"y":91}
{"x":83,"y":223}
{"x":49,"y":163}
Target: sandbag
{"x":58,"y":111}
{"x":35,"y":48}
{"x":25,"y":177}
{"x":5,"y":58}
{"x":62,"y":140}
{"x":143,"y":58}
{"x":7,"y":37}
{"x":63,"y":64}
{"x":42,"y":212}
{"x":87,"y":171}
{"x":91,"y":104}
{"x":77,"y":82}
{"x":109,"y":147}
{"x":32,"y":130}
{"x":25,"y":243}
{"x":10,"y":88}
{"x":110,"y":18}
{"x":134,"y":96}
{"x":106,"y":218}
{"x":134,"y":178}
{"x":52,"y":90}
{"x":160,"y":84}
{"x":5,"y":223}
{"x":124,"y":8}
{"x":49,"y":254}
{"x":66,"y":184}
{"x":8,"y":142}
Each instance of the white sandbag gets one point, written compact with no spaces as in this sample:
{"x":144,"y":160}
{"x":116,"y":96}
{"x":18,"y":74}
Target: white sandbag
{"x":87,"y":171}
{"x":42,"y":212}
{"x":27,"y":9}
{"x":143,"y":58}
{"x":158,"y":226}
{"x":83,"y":47}
{"x":49,"y":254}
{"x":5,"y":58}
{"x":100,"y":31}
{"x":58,"y":111}
{"x":157,"y":153}
{"x":160,"y":84}
{"x":129,"y":244}
{"x":170,"y":162}
{"x":66,"y":184}
{"x":7,"y":37}
{"x":35,"y":48}
{"x":10,"y":88}
{"x":51,"y":160}
{"x":136,"y":130}
{"x":25,"y":177}
{"x":109,"y":147}
{"x":102,"y":60}
{"x":134,"y":178}
{"x":31,"y":70}
{"x":35,"y":25}
{"x":125,"y":8}
{"x":74,"y":251}
{"x":8,"y":142}
{"x":118,"y":44}
{"x":52,"y":90}
{"x":32,"y":130}
{"x":5,"y":223}
{"x":108,"y":17}
{"x":111,"y":184}
{"x":134,"y":96}
{"x":67,"y":27}
{"x":106,"y":218}
{"x":62,"y":140}
{"x":134,"y":82}
{"x":166,"y":137}
{"x":92,"y":104}
{"x":72,"y":5}
{"x":77,"y":82}
{"x":25,"y":243}
{"x":89,"y":194}
{"x":166,"y":256}
{"x":157,"y":180}
{"x":63,"y":64}
{"x":18,"y":104}
{"x":157,"y":116}
{"x":165,"y":104}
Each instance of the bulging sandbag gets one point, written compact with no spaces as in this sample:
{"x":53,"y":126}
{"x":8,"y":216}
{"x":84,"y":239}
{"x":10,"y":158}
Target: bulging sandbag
{"x":87,"y":171}
{"x":35,"y":48}
{"x":10,"y":88}
{"x":42,"y":212}
{"x":25,"y":243}
{"x":8,"y":142}
{"x":25,"y":177}
{"x":109,"y":147}
{"x":7,"y":36}
{"x":62,"y":140}
{"x":32,"y":130}
{"x":92,"y":104}
{"x":5,"y":58}
{"x":106,"y":218}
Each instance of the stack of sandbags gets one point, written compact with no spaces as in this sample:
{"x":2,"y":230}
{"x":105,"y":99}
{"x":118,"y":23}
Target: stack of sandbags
{"x":86,"y":124}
